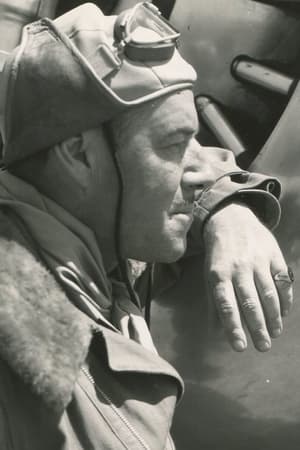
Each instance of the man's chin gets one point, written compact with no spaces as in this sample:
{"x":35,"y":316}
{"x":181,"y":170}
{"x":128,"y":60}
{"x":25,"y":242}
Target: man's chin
{"x":172,"y":252}
{"x":168,"y":248}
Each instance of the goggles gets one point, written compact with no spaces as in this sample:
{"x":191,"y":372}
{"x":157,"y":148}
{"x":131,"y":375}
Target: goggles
{"x":144,"y":35}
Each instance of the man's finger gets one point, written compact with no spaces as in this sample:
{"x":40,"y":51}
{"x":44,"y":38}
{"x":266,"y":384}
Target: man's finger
{"x":270,"y":301}
{"x":250,"y":305}
{"x":226,"y":304}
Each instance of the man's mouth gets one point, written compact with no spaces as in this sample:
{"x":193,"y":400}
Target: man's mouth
{"x":184,"y":207}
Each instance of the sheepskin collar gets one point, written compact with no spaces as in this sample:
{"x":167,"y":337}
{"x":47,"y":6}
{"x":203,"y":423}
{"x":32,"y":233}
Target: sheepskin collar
{"x":43,"y":337}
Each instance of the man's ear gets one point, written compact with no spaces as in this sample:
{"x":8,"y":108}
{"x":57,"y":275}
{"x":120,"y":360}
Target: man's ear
{"x":61,"y":173}
{"x":66,"y":174}
{"x":75,"y":148}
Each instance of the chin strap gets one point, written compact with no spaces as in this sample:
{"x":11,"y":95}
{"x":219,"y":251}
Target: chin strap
{"x":122,"y":262}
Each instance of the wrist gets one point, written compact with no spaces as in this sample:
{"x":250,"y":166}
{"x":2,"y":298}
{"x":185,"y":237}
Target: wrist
{"x":222,"y":218}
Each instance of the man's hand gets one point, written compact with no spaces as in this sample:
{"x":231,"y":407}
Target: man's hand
{"x":242,"y":257}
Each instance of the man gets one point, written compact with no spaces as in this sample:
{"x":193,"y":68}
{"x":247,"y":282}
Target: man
{"x":102,"y":164}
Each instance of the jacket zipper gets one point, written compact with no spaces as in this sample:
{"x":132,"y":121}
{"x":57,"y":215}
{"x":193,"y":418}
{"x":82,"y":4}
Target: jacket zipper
{"x":116,"y":410}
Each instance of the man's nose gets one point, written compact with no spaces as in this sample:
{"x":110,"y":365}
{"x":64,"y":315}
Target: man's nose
{"x":199,"y":168}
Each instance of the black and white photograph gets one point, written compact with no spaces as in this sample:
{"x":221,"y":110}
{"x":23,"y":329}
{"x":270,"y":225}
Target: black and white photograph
{"x":149,"y":214}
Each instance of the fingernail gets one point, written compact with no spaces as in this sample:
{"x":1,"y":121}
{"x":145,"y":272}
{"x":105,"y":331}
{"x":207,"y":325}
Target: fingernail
{"x":239,"y":345}
{"x":276,"y":332}
{"x":263,"y":346}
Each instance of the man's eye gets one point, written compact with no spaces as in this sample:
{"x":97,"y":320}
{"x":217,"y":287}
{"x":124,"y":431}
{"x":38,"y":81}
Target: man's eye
{"x":176,"y":146}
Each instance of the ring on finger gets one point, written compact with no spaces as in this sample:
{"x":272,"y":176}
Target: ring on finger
{"x":285,"y":276}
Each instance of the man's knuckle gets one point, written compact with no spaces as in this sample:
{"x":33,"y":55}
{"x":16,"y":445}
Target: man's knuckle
{"x":225,"y":307}
{"x":236,"y":332}
{"x":273,"y":320}
{"x":243,"y":282}
{"x":249,"y":304}
{"x":242,"y":265}
{"x":286,"y":294}
{"x":258,"y":333}
{"x":289,"y":299}
{"x":274,"y":324}
{"x":217,"y":274}
{"x":285,"y":288}
{"x":269,"y":295}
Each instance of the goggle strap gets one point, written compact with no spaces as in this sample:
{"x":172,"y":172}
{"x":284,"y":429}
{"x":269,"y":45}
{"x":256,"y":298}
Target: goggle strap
{"x":104,"y":61}
{"x":160,"y":52}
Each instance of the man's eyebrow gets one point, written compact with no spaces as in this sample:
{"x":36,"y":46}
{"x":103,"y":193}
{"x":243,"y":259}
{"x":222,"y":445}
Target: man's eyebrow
{"x":182,"y":130}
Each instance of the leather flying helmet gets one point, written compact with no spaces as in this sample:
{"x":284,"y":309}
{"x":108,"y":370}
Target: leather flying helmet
{"x":83,"y":68}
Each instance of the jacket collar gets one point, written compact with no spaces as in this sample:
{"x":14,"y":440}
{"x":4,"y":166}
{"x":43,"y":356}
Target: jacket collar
{"x":43,"y":337}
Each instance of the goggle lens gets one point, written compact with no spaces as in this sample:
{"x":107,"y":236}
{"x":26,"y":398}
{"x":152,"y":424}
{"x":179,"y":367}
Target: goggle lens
{"x":145,"y":35}
{"x":146,"y":19}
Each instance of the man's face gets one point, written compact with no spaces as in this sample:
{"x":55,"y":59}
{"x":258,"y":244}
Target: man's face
{"x":162,"y":165}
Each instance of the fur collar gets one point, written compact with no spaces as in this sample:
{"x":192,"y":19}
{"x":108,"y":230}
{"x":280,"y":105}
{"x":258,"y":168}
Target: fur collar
{"x":43,"y":337}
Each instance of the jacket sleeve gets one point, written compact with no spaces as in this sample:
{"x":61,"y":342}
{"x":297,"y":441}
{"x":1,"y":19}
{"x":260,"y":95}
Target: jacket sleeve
{"x":257,"y":191}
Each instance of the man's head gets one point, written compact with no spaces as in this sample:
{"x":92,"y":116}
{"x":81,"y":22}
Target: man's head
{"x":162,"y":165}
{"x":152,"y":122}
